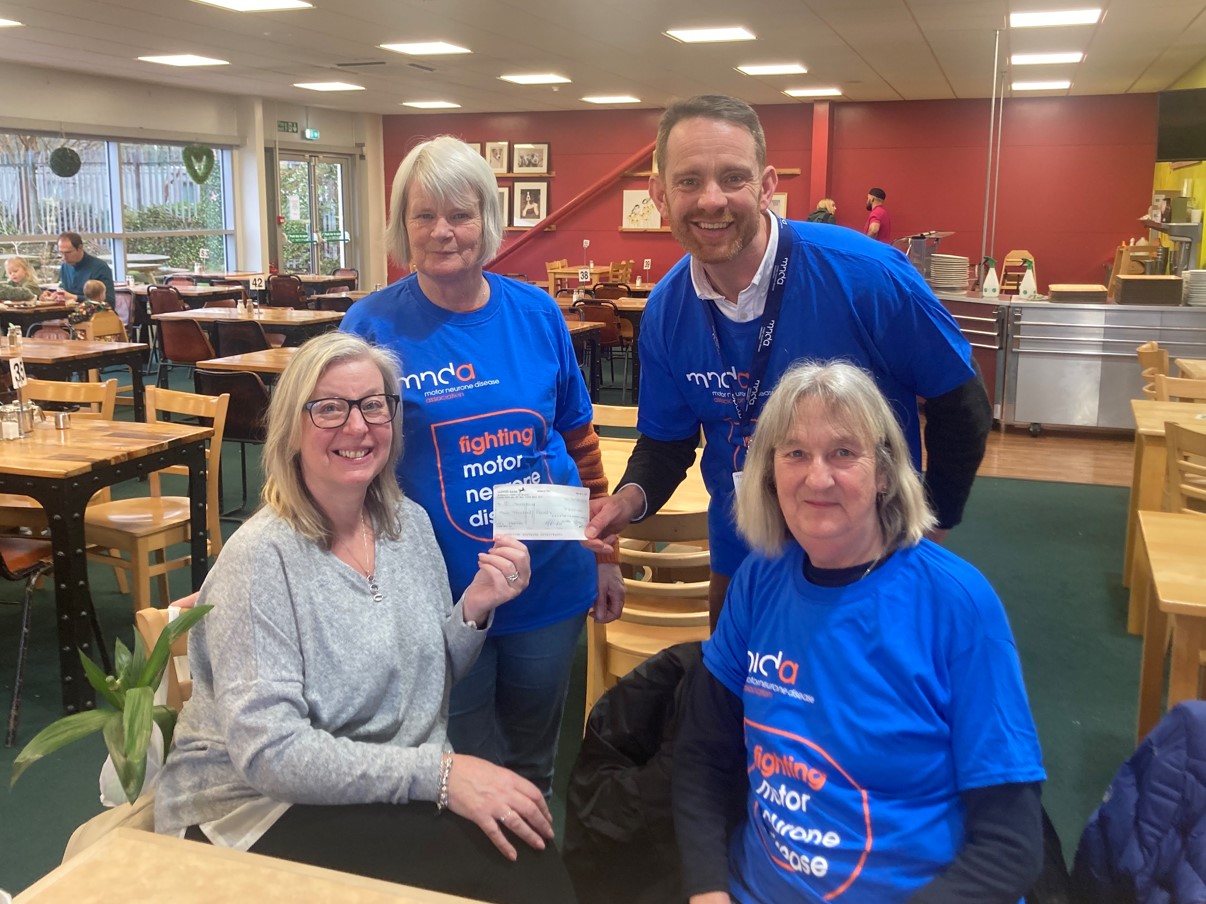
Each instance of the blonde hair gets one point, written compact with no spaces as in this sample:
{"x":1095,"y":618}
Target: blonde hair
{"x":449,"y":171}
{"x":18,"y":261}
{"x":851,"y":400}
{"x":94,"y":290}
{"x":284,"y":489}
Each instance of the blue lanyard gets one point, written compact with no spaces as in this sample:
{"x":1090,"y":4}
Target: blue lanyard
{"x":766,"y":332}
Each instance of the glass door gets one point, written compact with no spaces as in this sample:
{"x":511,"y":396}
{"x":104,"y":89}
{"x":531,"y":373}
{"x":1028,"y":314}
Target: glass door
{"x":313,"y":193}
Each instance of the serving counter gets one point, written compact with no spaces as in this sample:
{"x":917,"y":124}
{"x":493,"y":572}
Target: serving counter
{"x":1069,"y":365}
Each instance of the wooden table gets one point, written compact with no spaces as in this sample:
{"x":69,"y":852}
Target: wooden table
{"x":1192,"y":368}
{"x":1171,"y":581}
{"x":196,"y":296}
{"x":61,"y":470}
{"x":588,"y":333}
{"x":268,"y":361}
{"x":132,"y":865}
{"x":354,"y":294}
{"x":570,"y":275}
{"x":58,"y":359}
{"x":1148,"y":477}
{"x":298,"y":326}
{"x":25,"y":317}
{"x":691,"y":495}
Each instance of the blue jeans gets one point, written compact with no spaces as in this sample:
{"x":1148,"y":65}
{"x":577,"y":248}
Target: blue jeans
{"x":508,"y":708}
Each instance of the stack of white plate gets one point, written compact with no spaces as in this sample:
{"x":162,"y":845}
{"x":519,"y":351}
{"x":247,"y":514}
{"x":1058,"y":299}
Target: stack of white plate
{"x":1195,"y":288}
{"x":948,"y":271}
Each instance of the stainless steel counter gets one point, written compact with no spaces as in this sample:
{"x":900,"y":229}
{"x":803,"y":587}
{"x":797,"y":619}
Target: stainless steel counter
{"x":1072,"y":365}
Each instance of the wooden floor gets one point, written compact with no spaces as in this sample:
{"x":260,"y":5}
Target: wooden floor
{"x":1098,"y":458}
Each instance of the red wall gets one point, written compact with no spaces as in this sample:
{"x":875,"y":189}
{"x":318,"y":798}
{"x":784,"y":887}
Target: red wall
{"x":1075,"y":173}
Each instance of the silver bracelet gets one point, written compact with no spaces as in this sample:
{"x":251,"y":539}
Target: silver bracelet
{"x":442,"y":792}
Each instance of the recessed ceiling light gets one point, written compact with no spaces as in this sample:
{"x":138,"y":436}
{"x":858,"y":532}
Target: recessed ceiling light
{"x":1054,"y":18}
{"x":328,"y":86}
{"x":427,"y":48}
{"x":774,"y":69}
{"x":257,"y":6}
{"x":184,"y":59}
{"x":8,"y":23}
{"x":538,"y":78}
{"x":1044,"y":59}
{"x":708,"y":35}
{"x":612,"y":99}
{"x":813,"y":92}
{"x":430,"y":104}
{"x":1041,"y":86}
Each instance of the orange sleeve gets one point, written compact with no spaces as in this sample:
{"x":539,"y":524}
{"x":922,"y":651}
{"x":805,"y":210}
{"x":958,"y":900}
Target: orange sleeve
{"x":583,"y":446}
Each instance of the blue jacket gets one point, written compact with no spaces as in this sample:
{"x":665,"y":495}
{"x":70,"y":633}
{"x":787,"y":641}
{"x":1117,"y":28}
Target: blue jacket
{"x":1146,"y":841}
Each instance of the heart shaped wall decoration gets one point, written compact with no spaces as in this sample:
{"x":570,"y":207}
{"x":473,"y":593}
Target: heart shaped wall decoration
{"x":198,"y":162}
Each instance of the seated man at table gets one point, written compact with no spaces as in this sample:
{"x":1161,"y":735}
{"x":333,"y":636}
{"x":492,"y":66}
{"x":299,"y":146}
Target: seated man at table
{"x":78,"y":267}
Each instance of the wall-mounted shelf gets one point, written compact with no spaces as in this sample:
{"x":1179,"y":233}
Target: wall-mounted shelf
{"x":656,"y":229}
{"x":524,"y":175}
{"x":552,"y":228}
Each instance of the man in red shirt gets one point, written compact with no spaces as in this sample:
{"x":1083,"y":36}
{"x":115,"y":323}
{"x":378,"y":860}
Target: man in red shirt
{"x":879,"y":222}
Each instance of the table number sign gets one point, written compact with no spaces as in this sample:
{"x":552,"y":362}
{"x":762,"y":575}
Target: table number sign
{"x":16,"y":370}
{"x":257,"y":283}
{"x":584,"y":275}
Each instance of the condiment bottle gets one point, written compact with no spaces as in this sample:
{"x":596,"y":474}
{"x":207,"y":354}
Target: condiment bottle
{"x":14,"y":338}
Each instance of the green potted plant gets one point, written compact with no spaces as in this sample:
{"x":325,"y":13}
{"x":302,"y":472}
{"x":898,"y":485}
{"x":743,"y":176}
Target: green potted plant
{"x":129,"y":728}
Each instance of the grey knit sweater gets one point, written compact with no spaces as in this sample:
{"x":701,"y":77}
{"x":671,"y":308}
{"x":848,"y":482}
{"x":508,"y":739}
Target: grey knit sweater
{"x":304,"y":689}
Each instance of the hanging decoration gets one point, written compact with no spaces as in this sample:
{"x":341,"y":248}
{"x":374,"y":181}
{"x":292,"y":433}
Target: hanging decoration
{"x":64,"y":162}
{"x":198,"y":162}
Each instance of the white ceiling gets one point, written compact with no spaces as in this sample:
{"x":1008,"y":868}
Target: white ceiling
{"x":873,"y":49}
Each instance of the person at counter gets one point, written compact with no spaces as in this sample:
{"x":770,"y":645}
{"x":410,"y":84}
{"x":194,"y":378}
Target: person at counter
{"x":78,"y":267}
{"x":879,"y":221}
{"x":22,"y":284}
{"x":756,"y":294}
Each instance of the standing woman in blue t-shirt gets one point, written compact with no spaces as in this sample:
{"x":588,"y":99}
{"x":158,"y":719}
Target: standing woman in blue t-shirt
{"x":860,"y":727}
{"x":491,"y":394}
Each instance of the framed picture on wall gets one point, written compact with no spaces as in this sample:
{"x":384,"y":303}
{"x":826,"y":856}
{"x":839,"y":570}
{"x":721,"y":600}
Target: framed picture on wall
{"x":530,"y":158}
{"x":531,"y":203}
{"x":496,"y":155}
{"x":504,"y":203}
{"x":778,"y":204}
{"x":476,"y":145}
{"x":639,"y":211}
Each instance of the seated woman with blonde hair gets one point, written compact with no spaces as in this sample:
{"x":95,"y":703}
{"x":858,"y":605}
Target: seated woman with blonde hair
{"x":860,"y":727}
{"x":317,"y":728}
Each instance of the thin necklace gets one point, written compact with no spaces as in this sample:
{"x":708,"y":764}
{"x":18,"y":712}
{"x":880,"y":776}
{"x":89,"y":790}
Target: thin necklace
{"x":369,"y":576}
{"x":874,"y":562}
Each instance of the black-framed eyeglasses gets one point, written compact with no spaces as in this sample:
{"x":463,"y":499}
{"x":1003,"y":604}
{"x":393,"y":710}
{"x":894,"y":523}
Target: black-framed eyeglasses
{"x":328,"y":414}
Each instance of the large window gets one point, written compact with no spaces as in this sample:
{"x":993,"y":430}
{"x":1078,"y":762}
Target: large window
{"x":135,"y":205}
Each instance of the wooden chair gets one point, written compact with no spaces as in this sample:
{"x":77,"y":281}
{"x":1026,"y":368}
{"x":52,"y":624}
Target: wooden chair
{"x":238,"y":337}
{"x":150,"y":623}
{"x":286,"y":290}
{"x":666,"y":600}
{"x":1152,"y":360}
{"x":92,"y":400}
{"x":611,"y":290}
{"x":103,"y":326}
{"x":1129,"y":260}
{"x":1186,"y":469}
{"x":549,"y":267}
{"x":145,"y":526}
{"x":1179,"y":389}
{"x":621,"y":271}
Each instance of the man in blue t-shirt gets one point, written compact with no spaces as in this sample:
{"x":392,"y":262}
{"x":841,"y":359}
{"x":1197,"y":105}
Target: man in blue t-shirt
{"x":753,"y":295}
{"x":79,"y":266}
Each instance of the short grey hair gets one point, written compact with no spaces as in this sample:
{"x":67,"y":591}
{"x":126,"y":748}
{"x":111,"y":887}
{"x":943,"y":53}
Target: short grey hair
{"x":710,"y":106}
{"x":450,"y":171}
{"x":284,"y":489}
{"x":852,"y":401}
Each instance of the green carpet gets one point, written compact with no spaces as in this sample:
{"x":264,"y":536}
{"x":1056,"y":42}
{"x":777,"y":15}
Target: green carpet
{"x":1052,"y":551}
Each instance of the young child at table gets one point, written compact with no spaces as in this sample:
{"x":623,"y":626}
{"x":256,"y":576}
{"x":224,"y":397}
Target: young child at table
{"x":93,"y":303}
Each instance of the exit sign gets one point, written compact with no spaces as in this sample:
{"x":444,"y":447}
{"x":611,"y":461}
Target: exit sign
{"x":284,"y":125}
{"x":310,"y":134}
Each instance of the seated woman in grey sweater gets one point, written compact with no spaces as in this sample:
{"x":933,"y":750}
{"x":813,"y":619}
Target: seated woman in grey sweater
{"x":316,"y":729}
